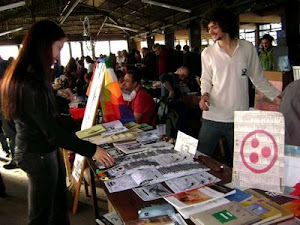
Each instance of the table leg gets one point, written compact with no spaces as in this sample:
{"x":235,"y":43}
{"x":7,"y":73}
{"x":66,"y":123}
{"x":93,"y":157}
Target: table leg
{"x":93,"y":195}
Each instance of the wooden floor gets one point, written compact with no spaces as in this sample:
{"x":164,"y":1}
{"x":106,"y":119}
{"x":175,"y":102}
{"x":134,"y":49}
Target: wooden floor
{"x":13,"y":208}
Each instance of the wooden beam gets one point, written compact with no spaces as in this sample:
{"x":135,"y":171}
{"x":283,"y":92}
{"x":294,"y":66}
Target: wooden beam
{"x":251,"y":17}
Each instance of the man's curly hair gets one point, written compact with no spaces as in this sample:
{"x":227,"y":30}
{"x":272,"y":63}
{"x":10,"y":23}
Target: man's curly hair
{"x":227,"y":21}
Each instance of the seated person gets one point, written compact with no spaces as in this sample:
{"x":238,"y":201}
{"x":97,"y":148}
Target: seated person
{"x":142,"y":103}
{"x":171,"y":83}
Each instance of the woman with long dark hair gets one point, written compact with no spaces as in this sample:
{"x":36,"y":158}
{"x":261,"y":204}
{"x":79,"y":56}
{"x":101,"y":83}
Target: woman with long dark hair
{"x":27,"y":98}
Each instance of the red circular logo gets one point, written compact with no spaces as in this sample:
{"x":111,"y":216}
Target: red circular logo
{"x":265,"y":151}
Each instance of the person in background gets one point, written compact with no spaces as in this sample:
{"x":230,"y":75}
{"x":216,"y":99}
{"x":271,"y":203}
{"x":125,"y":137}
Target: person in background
{"x":125,"y":61}
{"x":171,"y":83}
{"x":172,"y":91}
{"x":71,"y":73}
{"x":131,"y":60}
{"x":8,"y":131}
{"x":290,"y":108}
{"x":149,"y":64}
{"x":90,"y":64}
{"x":226,"y":66}
{"x":3,"y":65}
{"x":266,"y":53}
{"x":4,"y":144}
{"x":27,"y":98}
{"x":119,"y":61}
{"x":141,"y":102}
{"x":178,"y":57}
{"x":164,"y":57}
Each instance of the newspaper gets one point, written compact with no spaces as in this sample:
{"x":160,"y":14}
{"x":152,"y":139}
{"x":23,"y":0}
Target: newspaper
{"x":150,"y":176}
{"x":259,"y":150}
{"x":148,"y":137}
{"x":191,"y":181}
{"x":151,"y":158}
{"x":137,"y":178}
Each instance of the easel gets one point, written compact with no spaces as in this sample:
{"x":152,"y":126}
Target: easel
{"x":88,"y":121}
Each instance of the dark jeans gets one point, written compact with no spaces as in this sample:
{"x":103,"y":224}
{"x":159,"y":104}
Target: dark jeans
{"x":211,"y":132}
{"x":47,"y":191}
{"x":9,"y":131}
{"x":3,"y":141}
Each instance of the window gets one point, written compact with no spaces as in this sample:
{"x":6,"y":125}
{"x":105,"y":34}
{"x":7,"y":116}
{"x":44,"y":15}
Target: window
{"x":119,"y":45}
{"x":87,"y":48}
{"x":76,"y":49}
{"x":271,"y":29}
{"x":211,"y":41}
{"x":162,"y":42}
{"x":204,"y":42}
{"x":7,"y":51}
{"x":65,"y":54}
{"x":248,"y":35}
{"x":144,"y":44}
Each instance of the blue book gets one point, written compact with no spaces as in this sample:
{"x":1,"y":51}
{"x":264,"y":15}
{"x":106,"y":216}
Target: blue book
{"x":239,"y":196}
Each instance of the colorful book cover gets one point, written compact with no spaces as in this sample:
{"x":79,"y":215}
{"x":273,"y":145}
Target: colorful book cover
{"x":239,"y":196}
{"x":198,"y":196}
{"x":231,"y":213}
{"x":289,"y":203}
{"x":265,"y":211}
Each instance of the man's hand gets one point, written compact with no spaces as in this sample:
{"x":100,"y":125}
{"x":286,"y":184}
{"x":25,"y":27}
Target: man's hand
{"x":103,"y":157}
{"x":204,"y":102}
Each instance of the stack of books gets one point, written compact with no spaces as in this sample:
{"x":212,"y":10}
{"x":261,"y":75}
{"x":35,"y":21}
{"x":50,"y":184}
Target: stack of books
{"x":252,"y":206}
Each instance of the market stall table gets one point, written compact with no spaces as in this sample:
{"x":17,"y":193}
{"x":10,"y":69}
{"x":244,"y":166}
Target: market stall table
{"x":127,"y":203}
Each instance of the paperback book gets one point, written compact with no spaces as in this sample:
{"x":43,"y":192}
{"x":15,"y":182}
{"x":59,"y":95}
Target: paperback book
{"x":231,"y":213}
{"x":198,"y":196}
{"x":263,"y":209}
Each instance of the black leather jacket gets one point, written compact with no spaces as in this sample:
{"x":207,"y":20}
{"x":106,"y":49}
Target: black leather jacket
{"x":38,"y":131}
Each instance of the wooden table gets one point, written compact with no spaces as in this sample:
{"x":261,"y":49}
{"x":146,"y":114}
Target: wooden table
{"x":127,"y":203}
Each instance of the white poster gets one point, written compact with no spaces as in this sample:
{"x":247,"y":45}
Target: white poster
{"x":259,"y":150}
{"x":90,"y":112}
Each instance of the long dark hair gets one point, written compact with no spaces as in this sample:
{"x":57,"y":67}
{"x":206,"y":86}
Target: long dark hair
{"x":33,"y":65}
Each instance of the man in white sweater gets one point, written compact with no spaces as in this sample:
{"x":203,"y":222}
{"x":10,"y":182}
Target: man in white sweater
{"x":226,"y":66}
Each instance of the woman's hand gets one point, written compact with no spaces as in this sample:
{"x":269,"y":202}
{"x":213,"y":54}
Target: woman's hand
{"x":103,"y":157}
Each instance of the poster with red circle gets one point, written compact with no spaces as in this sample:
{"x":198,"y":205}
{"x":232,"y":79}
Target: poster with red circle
{"x":259,"y":150}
